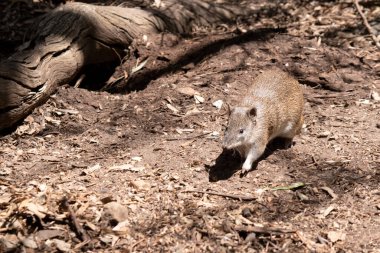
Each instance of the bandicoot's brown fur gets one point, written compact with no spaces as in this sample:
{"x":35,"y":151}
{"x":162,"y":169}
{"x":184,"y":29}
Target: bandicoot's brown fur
{"x":272,"y":107}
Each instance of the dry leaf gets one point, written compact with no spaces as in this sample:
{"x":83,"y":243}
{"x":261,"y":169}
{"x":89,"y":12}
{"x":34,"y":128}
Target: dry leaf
{"x":327,"y":211}
{"x":108,"y":238}
{"x":49,"y":158}
{"x":140,"y":184}
{"x":198,"y":99}
{"x":184,"y":130}
{"x":375,"y":96}
{"x":187,"y":91}
{"x":136,"y":158}
{"x":172,"y":108}
{"x":61,"y":245}
{"x":329,"y":191}
{"x":218,"y":104}
{"x":36,"y":209}
{"x":122,"y":227}
{"x":60,"y":112}
{"x":193,"y":111}
{"x":92,"y":226}
{"x":43,"y":235}
{"x":5,"y":198}
{"x":335,"y":236}
{"x":29,"y":242}
{"x":9,"y":242}
{"x":137,"y":109}
{"x":82,"y":209}
{"x":91,"y":169}
{"x":53,"y":121}
{"x":364,"y":102}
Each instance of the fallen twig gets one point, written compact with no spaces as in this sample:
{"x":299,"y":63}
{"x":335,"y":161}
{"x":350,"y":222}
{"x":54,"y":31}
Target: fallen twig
{"x":365,"y":21}
{"x":188,"y":138}
{"x":81,"y":244}
{"x":135,"y":244}
{"x":310,"y":245}
{"x":329,"y":191}
{"x":3,"y":230}
{"x":79,"y":81}
{"x":231,"y":196}
{"x":288,"y":187}
{"x":263,"y":230}
{"x":5,"y":182}
{"x":74,"y":221}
{"x":333,"y":95}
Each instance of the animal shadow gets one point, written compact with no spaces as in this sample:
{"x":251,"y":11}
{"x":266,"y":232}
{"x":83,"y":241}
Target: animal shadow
{"x":229,"y":161}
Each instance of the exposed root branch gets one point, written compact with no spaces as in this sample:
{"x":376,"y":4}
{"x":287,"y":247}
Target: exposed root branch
{"x":74,"y":221}
{"x":231,"y":196}
{"x":365,"y":21}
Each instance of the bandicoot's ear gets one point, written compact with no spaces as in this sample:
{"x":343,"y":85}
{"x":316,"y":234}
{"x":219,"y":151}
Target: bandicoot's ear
{"x":252,"y":112}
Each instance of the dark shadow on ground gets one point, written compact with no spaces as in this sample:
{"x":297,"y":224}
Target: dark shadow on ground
{"x":195,"y":55}
{"x":229,"y":162}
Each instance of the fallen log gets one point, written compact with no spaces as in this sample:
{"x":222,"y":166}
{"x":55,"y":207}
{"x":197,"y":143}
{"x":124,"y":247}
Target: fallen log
{"x":74,"y":35}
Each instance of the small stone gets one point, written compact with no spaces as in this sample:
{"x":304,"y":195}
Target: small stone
{"x":246,"y":212}
{"x":324,"y":134}
{"x":375,"y":96}
{"x":117,"y":211}
{"x":250,"y":237}
{"x":227,"y":226}
{"x":215,"y":134}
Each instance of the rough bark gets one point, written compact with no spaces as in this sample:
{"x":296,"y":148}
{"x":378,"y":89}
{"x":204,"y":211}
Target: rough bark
{"x":77,"y":34}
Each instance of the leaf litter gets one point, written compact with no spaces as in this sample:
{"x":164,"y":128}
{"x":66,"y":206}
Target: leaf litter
{"x":70,"y":183}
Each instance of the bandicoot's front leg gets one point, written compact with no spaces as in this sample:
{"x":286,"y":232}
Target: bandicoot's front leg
{"x":253,"y":154}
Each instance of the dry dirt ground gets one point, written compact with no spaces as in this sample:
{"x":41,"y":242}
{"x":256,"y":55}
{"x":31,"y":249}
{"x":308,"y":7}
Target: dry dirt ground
{"x":95,"y":171}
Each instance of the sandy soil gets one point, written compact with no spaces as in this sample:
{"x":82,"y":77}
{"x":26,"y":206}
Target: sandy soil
{"x":95,"y":171}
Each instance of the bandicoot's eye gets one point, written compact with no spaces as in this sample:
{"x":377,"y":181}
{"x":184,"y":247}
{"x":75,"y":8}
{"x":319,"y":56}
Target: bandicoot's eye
{"x":241,"y":131}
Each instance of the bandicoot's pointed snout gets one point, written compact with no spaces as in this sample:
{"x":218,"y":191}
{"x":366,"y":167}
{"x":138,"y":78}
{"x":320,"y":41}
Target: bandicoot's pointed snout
{"x":225,"y":143}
